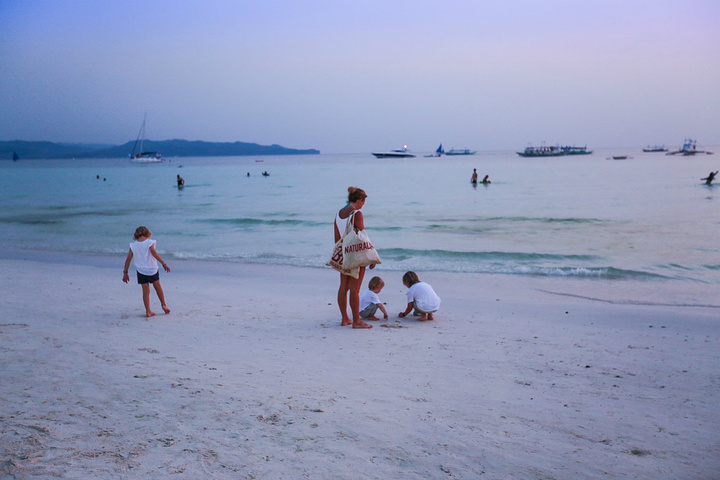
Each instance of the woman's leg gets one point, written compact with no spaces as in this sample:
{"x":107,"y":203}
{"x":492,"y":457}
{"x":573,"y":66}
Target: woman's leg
{"x":342,"y":299}
{"x":355,"y":284}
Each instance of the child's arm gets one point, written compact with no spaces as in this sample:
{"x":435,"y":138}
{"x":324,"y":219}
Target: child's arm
{"x":126,"y":277}
{"x":382,"y":308}
{"x":154,"y":253}
{"x":407,"y":310}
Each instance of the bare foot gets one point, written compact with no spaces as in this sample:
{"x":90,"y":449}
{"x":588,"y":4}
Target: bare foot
{"x":423,"y":318}
{"x":431,"y":316}
{"x":361,"y":324}
{"x":149,"y":314}
{"x":165,"y":309}
{"x":345,"y":322}
{"x":372,"y":318}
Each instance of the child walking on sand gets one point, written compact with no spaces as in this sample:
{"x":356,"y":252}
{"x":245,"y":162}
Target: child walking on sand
{"x":145,"y":257}
{"x":370,"y":302}
{"x":420,"y":296}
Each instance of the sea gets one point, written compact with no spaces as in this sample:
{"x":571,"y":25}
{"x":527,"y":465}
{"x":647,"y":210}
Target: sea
{"x":644,"y":229}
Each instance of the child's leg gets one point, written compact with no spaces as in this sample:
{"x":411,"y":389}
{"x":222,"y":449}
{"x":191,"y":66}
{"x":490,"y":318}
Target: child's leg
{"x":161,"y":296}
{"x":146,"y":299}
{"x":423,"y":315}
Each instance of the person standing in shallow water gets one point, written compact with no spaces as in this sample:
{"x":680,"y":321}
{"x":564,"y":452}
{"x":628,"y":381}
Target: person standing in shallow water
{"x":349,"y":285}
{"x":709,"y":179}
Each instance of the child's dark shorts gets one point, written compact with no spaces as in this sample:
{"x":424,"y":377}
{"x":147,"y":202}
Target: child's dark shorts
{"x":148,"y":278}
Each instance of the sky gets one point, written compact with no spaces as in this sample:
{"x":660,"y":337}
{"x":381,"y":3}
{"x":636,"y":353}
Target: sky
{"x":361,"y":76}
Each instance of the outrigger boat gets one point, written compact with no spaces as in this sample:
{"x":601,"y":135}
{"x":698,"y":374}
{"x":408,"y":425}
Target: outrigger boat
{"x":399,"y":153}
{"x":460,"y":152}
{"x":544,"y":151}
{"x":655,"y":148}
{"x":554,"y":151}
{"x":689,"y":148}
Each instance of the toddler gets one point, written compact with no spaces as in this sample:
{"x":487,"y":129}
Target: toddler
{"x":370,"y":302}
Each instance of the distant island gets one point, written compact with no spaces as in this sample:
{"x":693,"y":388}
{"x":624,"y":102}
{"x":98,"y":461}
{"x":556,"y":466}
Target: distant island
{"x":169,"y":148}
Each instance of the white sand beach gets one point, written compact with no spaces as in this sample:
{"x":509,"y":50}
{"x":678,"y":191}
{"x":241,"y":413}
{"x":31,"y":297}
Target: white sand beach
{"x":251,"y":377}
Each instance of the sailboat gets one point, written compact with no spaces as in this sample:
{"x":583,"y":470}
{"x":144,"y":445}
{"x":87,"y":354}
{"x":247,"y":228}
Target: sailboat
{"x":438,"y":152}
{"x":142,"y":156}
{"x":15,"y":157}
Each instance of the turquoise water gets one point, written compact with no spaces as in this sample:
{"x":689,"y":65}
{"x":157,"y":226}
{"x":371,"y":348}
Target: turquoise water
{"x":645,"y":219}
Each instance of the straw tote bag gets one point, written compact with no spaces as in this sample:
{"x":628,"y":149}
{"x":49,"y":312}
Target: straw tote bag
{"x":352,"y":251}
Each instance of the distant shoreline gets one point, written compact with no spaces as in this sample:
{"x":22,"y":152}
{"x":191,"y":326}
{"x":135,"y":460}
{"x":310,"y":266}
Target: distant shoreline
{"x":170,"y":148}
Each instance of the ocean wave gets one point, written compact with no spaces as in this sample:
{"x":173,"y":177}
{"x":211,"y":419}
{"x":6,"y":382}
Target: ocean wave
{"x":259,"y":221}
{"x":404,"y":253}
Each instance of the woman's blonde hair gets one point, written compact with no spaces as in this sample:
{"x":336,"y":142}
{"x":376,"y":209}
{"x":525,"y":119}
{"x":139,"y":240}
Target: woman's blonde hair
{"x":355,"y":194}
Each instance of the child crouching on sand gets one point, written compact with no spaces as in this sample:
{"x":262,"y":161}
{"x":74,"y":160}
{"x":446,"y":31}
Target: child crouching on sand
{"x":370,"y":302}
{"x":145,"y":257}
{"x":420,"y":296}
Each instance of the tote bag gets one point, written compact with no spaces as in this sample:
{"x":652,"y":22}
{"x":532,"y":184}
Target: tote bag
{"x":358,"y":251}
{"x":352,"y":251}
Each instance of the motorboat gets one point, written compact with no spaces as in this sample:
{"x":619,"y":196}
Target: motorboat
{"x":460,"y":152}
{"x":554,"y":151}
{"x":543,"y":151}
{"x":655,"y":148}
{"x":573,"y":150}
{"x":399,"y":153}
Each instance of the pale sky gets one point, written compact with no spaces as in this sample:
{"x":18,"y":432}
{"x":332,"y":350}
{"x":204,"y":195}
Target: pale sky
{"x":362,"y":75}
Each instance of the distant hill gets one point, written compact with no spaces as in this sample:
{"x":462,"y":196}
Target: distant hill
{"x":168,"y":148}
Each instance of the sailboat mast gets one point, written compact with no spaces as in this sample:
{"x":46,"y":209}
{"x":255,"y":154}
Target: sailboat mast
{"x":140,"y":138}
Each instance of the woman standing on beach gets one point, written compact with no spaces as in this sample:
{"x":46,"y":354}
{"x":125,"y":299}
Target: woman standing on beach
{"x":356,"y":200}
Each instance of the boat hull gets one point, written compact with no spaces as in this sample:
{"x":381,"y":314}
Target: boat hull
{"x":393,"y":155}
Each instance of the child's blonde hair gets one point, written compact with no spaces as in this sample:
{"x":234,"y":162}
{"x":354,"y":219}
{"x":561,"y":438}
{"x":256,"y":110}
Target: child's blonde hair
{"x":375,"y":282}
{"x":141,"y":231}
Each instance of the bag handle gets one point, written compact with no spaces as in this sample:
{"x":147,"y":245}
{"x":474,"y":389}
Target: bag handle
{"x":350,"y":223}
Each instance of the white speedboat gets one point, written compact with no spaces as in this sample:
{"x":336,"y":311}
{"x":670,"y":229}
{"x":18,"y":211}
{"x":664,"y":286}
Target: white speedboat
{"x":399,"y":153}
